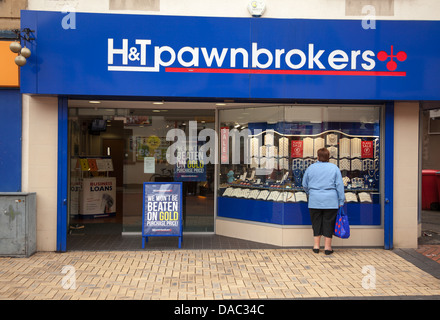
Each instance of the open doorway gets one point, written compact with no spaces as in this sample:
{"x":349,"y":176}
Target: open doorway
{"x":114,"y":150}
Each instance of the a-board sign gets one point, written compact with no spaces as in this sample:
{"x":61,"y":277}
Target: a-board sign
{"x":162,"y":210}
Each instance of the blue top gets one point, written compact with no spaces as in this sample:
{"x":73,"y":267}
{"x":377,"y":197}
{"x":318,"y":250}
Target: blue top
{"x":322,"y":182}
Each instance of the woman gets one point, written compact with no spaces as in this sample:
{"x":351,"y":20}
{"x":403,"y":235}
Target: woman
{"x":323,"y":184}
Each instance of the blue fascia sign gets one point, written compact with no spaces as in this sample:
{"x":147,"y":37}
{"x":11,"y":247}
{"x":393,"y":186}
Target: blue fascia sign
{"x":205,"y":57}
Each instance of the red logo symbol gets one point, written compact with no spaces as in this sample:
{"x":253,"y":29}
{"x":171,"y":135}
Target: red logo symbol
{"x":392,"y":65}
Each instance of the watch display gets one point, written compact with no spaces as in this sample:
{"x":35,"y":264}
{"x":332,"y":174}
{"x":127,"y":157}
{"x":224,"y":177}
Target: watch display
{"x":364,"y":197}
{"x":350,"y":197}
{"x":254,"y":194}
{"x":286,"y":197}
{"x":263,"y":195}
{"x":273,"y":196}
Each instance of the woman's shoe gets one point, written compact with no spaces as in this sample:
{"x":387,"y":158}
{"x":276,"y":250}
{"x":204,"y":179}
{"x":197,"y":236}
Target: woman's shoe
{"x":328,"y":252}
{"x":315,"y":250}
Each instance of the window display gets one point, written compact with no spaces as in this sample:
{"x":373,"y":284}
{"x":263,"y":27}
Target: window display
{"x":280,"y":150}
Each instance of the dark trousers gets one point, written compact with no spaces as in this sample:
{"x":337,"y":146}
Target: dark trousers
{"x":323,"y":221}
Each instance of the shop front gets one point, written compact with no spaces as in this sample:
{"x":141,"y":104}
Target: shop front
{"x":247,"y":112}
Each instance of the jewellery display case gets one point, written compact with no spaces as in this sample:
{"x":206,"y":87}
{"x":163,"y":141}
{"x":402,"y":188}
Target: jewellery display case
{"x":269,"y":187}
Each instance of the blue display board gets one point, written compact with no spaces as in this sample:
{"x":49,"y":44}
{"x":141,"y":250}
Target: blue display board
{"x":292,"y":213}
{"x":213,"y":57}
{"x":162,"y":210}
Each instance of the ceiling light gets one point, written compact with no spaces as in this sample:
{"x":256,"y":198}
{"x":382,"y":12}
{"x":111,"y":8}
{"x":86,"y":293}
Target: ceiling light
{"x":92,"y":101}
{"x":156,"y":110}
{"x":158,"y":102}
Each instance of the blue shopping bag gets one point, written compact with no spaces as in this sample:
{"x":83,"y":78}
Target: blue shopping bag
{"x":342,"y":228}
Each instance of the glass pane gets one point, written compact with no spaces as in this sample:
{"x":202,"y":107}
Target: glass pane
{"x":284,"y":140}
{"x":147,"y":161}
{"x":132,"y":144}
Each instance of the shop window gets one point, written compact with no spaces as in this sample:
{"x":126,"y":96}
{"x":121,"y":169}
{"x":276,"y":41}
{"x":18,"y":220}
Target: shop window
{"x":434,"y":121}
{"x":265,"y":151}
{"x":113,"y":151}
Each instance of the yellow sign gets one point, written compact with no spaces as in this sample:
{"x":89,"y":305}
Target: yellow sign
{"x":153,"y":142}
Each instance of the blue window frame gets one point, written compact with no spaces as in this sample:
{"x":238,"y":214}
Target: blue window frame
{"x":62,"y":174}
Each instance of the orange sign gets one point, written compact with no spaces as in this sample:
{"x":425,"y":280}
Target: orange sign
{"x":9,"y":71}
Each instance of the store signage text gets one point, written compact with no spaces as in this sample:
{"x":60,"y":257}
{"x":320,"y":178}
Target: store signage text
{"x":101,"y":186}
{"x":143,"y":56}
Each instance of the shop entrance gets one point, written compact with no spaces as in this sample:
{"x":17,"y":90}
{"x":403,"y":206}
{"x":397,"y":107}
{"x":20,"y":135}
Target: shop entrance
{"x":117,"y":146}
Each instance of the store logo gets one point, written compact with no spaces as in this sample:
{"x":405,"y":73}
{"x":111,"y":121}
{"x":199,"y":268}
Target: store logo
{"x":144,"y":57}
{"x":391,"y":65}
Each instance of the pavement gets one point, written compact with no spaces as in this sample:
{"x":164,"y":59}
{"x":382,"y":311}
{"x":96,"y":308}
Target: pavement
{"x":213,"y":274}
{"x":226,"y":274}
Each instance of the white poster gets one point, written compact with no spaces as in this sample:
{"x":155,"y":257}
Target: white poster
{"x":75,"y":188}
{"x":149,"y":165}
{"x":98,"y":196}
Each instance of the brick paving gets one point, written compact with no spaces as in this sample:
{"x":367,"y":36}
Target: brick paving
{"x":430,"y":251}
{"x":213,"y":274}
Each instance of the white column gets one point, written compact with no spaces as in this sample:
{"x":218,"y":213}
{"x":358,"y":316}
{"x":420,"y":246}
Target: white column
{"x":39,"y":164}
{"x":406,"y":171}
